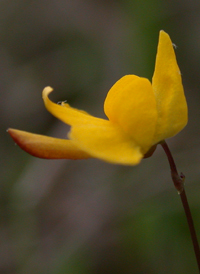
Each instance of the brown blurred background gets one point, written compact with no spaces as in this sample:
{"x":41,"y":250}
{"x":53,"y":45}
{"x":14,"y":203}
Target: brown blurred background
{"x":89,"y":216}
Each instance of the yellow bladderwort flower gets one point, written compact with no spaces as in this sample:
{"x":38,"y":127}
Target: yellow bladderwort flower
{"x":140,"y":115}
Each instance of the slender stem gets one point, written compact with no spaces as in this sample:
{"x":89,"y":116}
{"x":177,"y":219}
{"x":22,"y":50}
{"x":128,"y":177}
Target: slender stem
{"x":179,"y":185}
{"x":191,"y":226}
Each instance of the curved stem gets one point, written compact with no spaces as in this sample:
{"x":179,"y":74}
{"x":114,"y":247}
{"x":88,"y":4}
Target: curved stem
{"x":179,"y":185}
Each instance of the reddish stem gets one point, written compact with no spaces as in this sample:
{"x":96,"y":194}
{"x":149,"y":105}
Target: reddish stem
{"x":179,"y":185}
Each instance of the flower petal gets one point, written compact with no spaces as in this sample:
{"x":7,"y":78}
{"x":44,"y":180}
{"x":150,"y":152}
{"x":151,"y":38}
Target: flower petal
{"x":97,"y":137}
{"x":65,"y":113}
{"x":106,"y":142}
{"x":131,"y":104}
{"x":47,"y":147}
{"x":168,"y":89}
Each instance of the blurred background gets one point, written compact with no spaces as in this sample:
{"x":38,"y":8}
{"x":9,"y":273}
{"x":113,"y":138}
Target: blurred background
{"x":61,"y":216}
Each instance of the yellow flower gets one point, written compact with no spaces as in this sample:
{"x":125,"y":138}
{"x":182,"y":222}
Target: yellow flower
{"x":140,"y":115}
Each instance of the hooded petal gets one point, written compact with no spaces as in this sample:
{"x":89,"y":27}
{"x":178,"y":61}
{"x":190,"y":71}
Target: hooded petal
{"x":47,"y":147}
{"x":131,"y":105}
{"x":169,"y":93}
{"x":106,"y":142}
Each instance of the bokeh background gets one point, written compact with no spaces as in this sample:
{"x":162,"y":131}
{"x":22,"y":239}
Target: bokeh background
{"x":60,"y":216}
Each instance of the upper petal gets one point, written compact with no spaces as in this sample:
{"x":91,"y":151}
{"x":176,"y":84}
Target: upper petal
{"x":168,"y":89}
{"x":106,"y":142}
{"x":47,"y":147}
{"x":65,"y":113}
{"x":131,"y":104}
